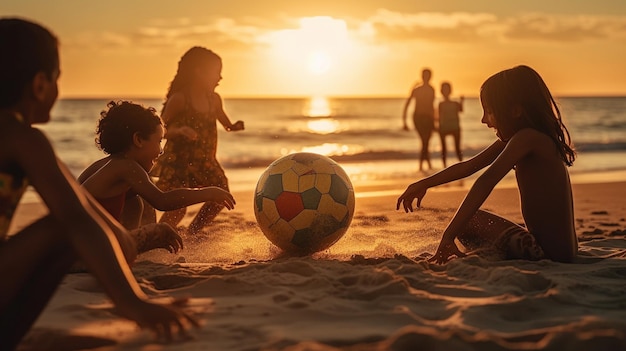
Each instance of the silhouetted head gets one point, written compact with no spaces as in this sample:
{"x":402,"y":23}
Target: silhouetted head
{"x":118,"y":125}
{"x":197,"y":65}
{"x":26,"y":49}
{"x":426,"y":75}
{"x":446,"y":89}
{"x":519,"y":98}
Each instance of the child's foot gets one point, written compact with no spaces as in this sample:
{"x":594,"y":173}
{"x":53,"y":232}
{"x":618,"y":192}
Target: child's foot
{"x":157,"y":236}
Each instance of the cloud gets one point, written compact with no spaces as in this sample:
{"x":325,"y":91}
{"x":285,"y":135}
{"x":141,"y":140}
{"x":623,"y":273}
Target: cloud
{"x":537,"y":26}
{"x":392,"y":26}
{"x":175,"y":33}
{"x":386,"y":25}
{"x":383,"y":26}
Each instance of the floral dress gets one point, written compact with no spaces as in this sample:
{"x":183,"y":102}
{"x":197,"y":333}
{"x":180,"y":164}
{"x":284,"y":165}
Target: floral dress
{"x":191,"y":163}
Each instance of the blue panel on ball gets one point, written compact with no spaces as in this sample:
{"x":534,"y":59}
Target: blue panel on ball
{"x":303,"y":238}
{"x":338,"y":189}
{"x":258,"y":201}
{"x":310,"y":239}
{"x":273,"y":186}
{"x":311,"y":198}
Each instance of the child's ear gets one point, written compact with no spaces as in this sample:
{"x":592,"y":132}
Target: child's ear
{"x":40,"y":85}
{"x":137,"y":140}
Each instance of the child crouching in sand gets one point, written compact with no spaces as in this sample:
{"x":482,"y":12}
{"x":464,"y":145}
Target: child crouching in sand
{"x":533,"y":141}
{"x":132,"y":134}
{"x":34,"y":260}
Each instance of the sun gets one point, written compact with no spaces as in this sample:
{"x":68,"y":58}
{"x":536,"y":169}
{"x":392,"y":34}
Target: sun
{"x":319,"y":62}
{"x":315,"y":47}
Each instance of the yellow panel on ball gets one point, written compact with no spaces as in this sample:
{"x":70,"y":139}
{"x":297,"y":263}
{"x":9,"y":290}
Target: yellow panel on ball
{"x":304,"y":219}
{"x":322,"y":182}
{"x":280,"y":167}
{"x":331,"y":207}
{"x":290,"y":181}
{"x":306,"y":182}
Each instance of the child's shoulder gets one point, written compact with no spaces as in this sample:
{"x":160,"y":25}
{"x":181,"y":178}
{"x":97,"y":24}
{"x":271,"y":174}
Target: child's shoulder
{"x":177,"y":101}
{"x":110,"y":168}
{"x":532,"y":138}
{"x":16,"y":135}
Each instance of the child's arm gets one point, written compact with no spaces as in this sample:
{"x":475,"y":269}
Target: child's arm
{"x":223,"y":118}
{"x":457,"y":171}
{"x":174,"y":106}
{"x":405,"y":126}
{"x":461,"y":101}
{"x":99,"y":250}
{"x":520,"y":145}
{"x":141,"y":183}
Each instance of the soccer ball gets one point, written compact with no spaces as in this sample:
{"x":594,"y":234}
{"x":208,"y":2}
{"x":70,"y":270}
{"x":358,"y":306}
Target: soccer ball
{"x":304,"y":202}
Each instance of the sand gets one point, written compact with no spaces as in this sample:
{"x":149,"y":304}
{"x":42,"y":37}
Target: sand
{"x":372,"y":290}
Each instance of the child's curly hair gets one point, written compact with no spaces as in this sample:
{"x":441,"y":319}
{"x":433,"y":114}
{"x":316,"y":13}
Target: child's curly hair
{"x":117,"y":126}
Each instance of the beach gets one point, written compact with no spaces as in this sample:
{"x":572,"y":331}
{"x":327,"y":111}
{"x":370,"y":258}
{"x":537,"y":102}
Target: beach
{"x":373,"y":290}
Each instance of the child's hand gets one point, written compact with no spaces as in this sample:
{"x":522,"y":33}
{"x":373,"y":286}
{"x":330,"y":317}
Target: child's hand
{"x":187,"y":132}
{"x":414,"y":191}
{"x":157,"y":236}
{"x":222,"y":197}
{"x":446,"y":249}
{"x":235,"y":127}
{"x":162,"y":319}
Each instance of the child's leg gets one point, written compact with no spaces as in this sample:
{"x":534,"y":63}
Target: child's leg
{"x":457,"y":145}
{"x":145,"y":238}
{"x":32,"y":264}
{"x":444,"y":152}
{"x":207,"y":213}
{"x":509,"y":240}
{"x":174,"y":217}
{"x":132,"y":213}
{"x":148,"y":216}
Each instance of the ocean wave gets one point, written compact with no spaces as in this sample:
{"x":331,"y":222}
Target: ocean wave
{"x":599,"y":146}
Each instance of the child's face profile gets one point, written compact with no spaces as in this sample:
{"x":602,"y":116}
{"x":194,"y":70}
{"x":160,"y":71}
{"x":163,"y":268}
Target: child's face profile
{"x":212,"y":74}
{"x":46,"y":94}
{"x":151,"y":149}
{"x":489,"y":119}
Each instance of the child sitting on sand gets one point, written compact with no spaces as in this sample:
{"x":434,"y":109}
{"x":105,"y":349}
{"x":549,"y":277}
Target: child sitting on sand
{"x":34,"y":260}
{"x":533,"y":141}
{"x":132,"y":136}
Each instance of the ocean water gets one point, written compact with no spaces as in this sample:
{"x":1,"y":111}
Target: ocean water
{"x":363,"y":134}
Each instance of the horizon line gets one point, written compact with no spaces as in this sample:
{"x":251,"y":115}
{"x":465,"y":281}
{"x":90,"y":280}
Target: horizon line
{"x":287,"y":97}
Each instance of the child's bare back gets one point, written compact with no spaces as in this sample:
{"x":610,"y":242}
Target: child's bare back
{"x":546,"y":196}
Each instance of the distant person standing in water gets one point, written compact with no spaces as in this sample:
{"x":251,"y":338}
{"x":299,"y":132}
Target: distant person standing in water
{"x":423,"y":115}
{"x":190,"y":113}
{"x":449,"y":122}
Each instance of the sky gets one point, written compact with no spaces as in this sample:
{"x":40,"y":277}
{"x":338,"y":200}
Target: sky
{"x":350,"y":48}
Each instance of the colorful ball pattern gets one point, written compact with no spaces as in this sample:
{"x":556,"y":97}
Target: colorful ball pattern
{"x":304,"y":202}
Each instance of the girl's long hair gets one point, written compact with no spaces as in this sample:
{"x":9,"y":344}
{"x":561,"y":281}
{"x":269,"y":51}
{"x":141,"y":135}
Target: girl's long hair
{"x":195,"y":57}
{"x":523,"y":87}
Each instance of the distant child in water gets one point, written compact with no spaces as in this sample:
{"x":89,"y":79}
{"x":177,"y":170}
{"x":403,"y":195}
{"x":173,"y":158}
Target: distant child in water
{"x":132,"y":134}
{"x":449,"y":123}
{"x":35,"y":259}
{"x":191,"y":112}
{"x":532,"y":141}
